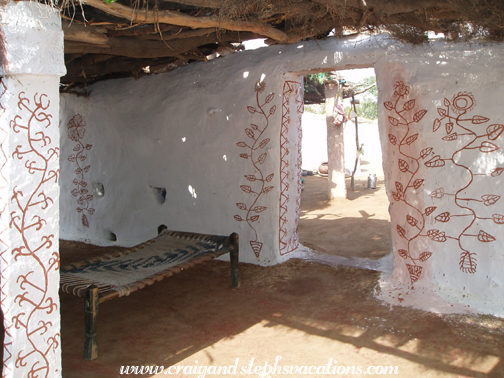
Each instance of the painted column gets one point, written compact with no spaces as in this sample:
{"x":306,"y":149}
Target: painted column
{"x":335,"y":145}
{"x":32,"y":62}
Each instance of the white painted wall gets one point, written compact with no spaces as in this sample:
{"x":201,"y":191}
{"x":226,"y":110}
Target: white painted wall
{"x":179,"y":131}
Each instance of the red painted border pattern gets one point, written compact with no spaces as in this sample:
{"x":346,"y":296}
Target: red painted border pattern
{"x":405,"y":114}
{"x":259,"y":181}
{"x":4,"y":247}
{"x":76,"y":131}
{"x":291,"y":89}
{"x":27,"y":219}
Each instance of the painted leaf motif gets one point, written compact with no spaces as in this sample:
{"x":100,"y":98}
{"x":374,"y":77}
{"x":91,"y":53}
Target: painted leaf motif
{"x":424,"y":256}
{"x":437,"y":236}
{"x":401,"y":231}
{"x":449,"y":127}
{"x":269,"y":98}
{"x":262,"y":158}
{"x":409,"y":105}
{"x":272,"y":110}
{"x":403,"y":253}
{"x":75,"y":193}
{"x":259,"y":209}
{"x":71,"y":158}
{"x":498,"y":218}
{"x":451,"y":137}
{"x":238,"y":218}
{"x":89,"y":146}
{"x":77,"y":147}
{"x":467,"y":263}
{"x":446,"y":102}
{"x":86,"y":168}
{"x":496,"y":171}
{"x":267,"y":189}
{"x":84,"y":191}
{"x":441,"y":112}
{"x":397,"y":196}
{"x":80,"y":201}
{"x":436,"y":161}
{"x":264,"y":143}
{"x":494,"y":131}
{"x":250,"y":177}
{"x":430,"y":210}
{"x":91,"y":211}
{"x":392,"y":139}
{"x":388,"y":105}
{"x":82,"y":157}
{"x":241,"y":144}
{"x":79,"y":210}
{"x":425,"y":152}
{"x":411,"y":139}
{"x":246,"y":188}
{"x":436,"y":125}
{"x":254,"y":218}
{"x":83,"y":184}
{"x":479,"y":119}
{"x":443,"y":217}
{"x":244,"y":156}
{"x":89,"y":197}
{"x":85,"y":222}
{"x":438,"y":193}
{"x":254,"y":127}
{"x":487,"y":147}
{"x":419,"y":115}
{"x":485,"y":237}
{"x":412,"y":221}
{"x":403,"y":166}
{"x":241,"y":206}
{"x":399,"y":187}
{"x":415,"y":272}
{"x":393,"y":121}
{"x":418,"y":183}
{"x":75,"y":182}
{"x":251,"y":109}
{"x":78,"y":171}
{"x":490,"y":199}
{"x":250,"y":133}
{"x":270,"y":177}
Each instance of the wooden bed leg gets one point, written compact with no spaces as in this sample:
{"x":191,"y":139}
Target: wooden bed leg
{"x":91,"y":314}
{"x":235,"y":272}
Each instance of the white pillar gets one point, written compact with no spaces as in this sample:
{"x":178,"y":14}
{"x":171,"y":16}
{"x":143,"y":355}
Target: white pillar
{"x":335,"y":146}
{"x":32,"y":63}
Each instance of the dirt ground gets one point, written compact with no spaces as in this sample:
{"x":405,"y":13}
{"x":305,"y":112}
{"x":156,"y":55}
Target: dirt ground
{"x":299,"y":313}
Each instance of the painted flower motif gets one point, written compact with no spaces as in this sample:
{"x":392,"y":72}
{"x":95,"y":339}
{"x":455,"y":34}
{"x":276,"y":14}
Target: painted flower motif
{"x":401,"y":90}
{"x":463,"y":102}
{"x":259,"y":87}
{"x":76,"y":128}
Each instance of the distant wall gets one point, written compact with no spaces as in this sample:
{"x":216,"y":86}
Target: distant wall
{"x":223,"y":139}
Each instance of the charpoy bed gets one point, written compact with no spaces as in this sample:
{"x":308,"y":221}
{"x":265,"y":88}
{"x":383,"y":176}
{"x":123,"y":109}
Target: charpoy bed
{"x":118,"y":274}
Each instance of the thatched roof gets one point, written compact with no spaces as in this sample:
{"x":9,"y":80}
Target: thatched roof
{"x":124,"y":38}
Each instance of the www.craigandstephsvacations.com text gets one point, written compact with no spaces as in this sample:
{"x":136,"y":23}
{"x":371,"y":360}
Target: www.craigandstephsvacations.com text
{"x":261,"y":369}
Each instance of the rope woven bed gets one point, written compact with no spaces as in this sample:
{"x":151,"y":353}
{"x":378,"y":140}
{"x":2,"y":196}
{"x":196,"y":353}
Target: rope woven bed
{"x":119,"y":274}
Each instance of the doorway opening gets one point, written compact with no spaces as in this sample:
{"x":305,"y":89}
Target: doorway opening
{"x":356,"y":225}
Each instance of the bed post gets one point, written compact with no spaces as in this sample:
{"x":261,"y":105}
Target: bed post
{"x":235,"y":272}
{"x":91,"y":313}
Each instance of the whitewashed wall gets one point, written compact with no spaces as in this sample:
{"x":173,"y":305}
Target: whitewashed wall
{"x":185,"y":131}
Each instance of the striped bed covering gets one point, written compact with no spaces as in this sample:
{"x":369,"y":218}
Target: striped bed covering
{"x":121,"y":273}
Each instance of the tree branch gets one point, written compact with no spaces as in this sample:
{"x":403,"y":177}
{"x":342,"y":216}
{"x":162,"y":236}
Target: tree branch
{"x":181,"y":19}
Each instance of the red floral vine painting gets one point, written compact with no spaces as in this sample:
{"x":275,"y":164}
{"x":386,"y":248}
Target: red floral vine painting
{"x":259,"y":181}
{"x":34,"y":300}
{"x":76,"y":131}
{"x":460,"y":127}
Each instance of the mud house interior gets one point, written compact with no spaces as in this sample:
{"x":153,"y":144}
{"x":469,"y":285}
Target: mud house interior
{"x":215,"y":147}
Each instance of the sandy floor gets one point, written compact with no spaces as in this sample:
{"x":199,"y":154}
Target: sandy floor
{"x":298,"y":313}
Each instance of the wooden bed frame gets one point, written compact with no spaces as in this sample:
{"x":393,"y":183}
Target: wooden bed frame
{"x":96,"y":291}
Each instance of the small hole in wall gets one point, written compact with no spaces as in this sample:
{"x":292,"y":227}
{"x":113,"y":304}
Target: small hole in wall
{"x":159,"y":194}
{"x":161,"y":228}
{"x":99,"y":189}
{"x":112,"y":237}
